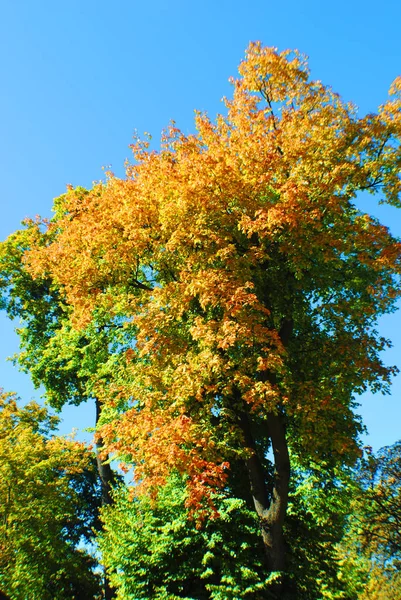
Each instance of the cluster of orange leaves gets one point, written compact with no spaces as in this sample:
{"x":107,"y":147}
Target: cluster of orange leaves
{"x":177,"y":247}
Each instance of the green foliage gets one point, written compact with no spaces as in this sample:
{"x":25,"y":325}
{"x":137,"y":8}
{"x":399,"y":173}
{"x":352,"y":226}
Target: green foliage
{"x":152,"y":550}
{"x":66,"y":361}
{"x":370,"y":552}
{"x":317,"y":516}
{"x":48,"y":505}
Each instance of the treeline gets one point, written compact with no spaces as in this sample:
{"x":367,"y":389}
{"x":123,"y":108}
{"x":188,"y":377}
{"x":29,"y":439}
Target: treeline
{"x":219,"y":305}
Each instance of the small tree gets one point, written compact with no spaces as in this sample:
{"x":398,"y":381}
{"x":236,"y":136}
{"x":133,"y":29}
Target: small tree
{"x":371,"y":549}
{"x":48,"y":504}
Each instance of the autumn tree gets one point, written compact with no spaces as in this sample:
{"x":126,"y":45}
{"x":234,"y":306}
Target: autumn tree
{"x":48,"y":506}
{"x":247,"y":284}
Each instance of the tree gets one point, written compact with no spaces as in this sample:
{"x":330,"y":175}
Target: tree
{"x":371,"y":548}
{"x":380,"y":503}
{"x":48,"y":507}
{"x":247,"y":282}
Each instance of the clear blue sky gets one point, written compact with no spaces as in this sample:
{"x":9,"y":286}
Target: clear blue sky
{"x":79,"y":76}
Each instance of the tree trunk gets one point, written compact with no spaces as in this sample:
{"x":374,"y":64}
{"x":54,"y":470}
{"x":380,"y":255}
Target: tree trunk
{"x":106,"y":481}
{"x":270,"y":507}
{"x":273,"y":537}
{"x":105,"y":471}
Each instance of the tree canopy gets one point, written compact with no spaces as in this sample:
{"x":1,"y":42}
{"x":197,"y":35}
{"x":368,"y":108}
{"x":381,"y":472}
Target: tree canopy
{"x":221,"y":300}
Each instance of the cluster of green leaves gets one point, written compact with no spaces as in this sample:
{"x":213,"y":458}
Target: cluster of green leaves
{"x":342,"y":533}
{"x":371,"y":548}
{"x":49,"y":499}
{"x":152,"y":549}
{"x":318,"y":507}
{"x":65,"y":360}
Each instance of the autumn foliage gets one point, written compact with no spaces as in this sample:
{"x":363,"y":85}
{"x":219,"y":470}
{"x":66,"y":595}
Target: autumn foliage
{"x":244,"y":270}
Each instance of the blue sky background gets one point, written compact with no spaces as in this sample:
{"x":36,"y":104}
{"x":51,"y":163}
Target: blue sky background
{"x":79,"y":76}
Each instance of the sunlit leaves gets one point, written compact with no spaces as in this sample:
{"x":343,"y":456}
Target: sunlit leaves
{"x":48,"y":505}
{"x":242,"y":273}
